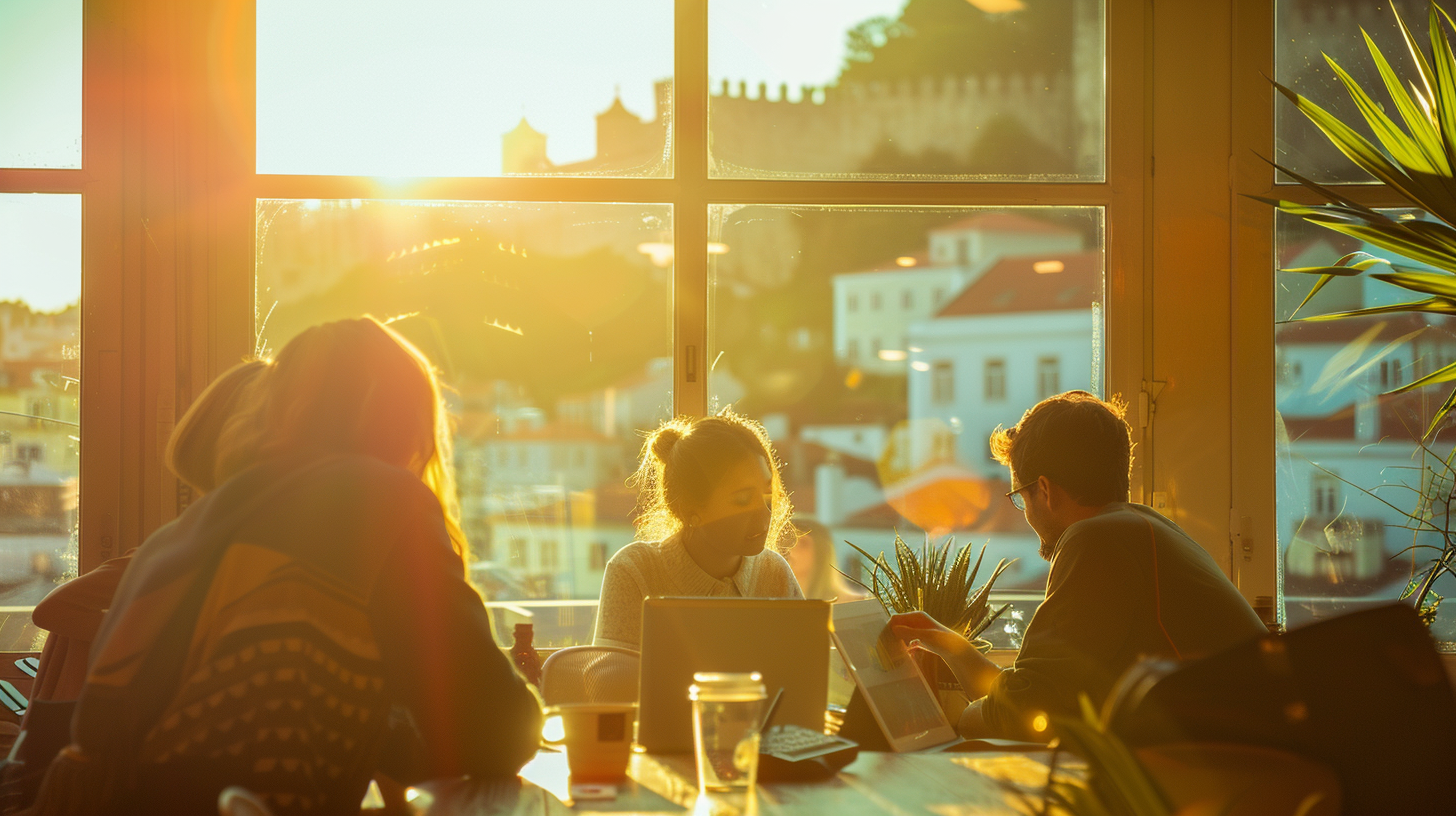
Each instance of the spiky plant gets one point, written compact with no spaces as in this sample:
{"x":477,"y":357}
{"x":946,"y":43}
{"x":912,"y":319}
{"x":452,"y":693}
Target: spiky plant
{"x":1416,"y":163}
{"x":930,"y":582}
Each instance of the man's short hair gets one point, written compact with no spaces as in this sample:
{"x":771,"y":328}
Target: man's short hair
{"x":1074,"y":439}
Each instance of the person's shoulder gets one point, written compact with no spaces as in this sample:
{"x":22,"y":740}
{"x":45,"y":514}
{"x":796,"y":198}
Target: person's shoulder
{"x":1105,"y":536}
{"x":771,"y":569}
{"x":635,"y":555}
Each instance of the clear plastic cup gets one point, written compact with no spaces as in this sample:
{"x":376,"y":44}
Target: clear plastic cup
{"x":727,"y":713}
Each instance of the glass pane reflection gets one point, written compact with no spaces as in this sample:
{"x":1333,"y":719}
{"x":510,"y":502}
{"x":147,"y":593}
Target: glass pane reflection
{"x":40,"y":83}
{"x":40,"y":369}
{"x":881,"y":346}
{"x":1340,"y":434}
{"x":883,"y":89}
{"x":464,"y":87}
{"x":551,"y":328}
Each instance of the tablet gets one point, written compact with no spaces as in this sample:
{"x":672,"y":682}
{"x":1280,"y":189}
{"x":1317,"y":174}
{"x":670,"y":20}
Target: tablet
{"x":904,"y":706}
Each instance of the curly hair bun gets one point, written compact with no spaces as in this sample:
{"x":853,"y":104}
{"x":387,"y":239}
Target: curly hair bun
{"x":664,"y":441}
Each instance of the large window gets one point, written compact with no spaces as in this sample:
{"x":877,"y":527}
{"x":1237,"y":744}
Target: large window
{"x":1351,"y":458}
{"x":40,"y":309}
{"x":568,"y":322}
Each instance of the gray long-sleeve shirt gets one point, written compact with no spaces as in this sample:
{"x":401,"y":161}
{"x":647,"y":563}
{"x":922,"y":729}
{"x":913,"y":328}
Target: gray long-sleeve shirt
{"x":1124,"y":584}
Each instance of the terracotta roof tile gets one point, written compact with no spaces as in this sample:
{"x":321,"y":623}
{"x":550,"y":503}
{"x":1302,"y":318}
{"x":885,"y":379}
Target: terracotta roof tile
{"x":1013,"y":285}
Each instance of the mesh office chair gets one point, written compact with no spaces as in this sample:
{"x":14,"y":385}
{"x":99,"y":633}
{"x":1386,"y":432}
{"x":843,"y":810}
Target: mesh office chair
{"x":590,"y":674}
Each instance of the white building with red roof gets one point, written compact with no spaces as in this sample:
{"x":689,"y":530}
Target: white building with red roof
{"x":1028,"y":328}
{"x":875,"y":308}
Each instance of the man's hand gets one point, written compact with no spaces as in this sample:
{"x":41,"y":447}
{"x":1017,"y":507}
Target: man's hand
{"x":972,"y":669}
{"x":918,"y":629}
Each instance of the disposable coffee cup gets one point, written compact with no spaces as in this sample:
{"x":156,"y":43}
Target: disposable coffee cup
{"x":597,"y":738}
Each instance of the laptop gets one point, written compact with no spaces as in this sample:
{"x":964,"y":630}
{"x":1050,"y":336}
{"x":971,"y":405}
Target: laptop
{"x":785,"y":641}
{"x":889,"y":681}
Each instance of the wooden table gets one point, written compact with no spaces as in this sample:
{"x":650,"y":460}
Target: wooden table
{"x":876,"y":783}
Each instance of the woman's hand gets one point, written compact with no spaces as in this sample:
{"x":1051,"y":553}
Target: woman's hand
{"x":920,"y":630}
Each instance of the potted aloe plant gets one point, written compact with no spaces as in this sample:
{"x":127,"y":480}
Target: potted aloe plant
{"x":1416,"y":163}
{"x":930,"y":581}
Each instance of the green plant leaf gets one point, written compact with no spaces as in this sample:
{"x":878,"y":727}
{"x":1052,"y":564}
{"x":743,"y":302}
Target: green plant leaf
{"x":1400,"y":147}
{"x":1430,"y":283}
{"x":1443,"y":70}
{"x":1423,"y":127}
{"x":1348,"y":141}
{"x":1430,"y":306}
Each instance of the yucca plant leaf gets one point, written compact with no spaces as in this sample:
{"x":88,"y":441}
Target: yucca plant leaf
{"x":1423,"y":128}
{"x":1397,"y":239}
{"x":1349,"y":141}
{"x":1423,"y":71}
{"x":1434,"y":305}
{"x":1400,"y":147}
{"x":1443,"y":65}
{"x":1328,"y":193}
{"x":1429,"y":283}
{"x":1440,"y":416}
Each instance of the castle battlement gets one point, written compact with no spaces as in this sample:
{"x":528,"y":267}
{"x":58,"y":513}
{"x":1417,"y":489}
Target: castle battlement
{"x":1333,"y":22}
{"x":990,"y":89}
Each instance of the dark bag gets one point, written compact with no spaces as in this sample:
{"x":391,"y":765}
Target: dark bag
{"x":1365,"y":694}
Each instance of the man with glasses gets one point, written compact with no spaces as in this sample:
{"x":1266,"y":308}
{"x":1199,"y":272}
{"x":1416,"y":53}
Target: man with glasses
{"x":1125,"y":582}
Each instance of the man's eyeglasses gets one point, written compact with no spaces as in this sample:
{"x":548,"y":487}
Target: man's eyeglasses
{"x":1017,"y":499}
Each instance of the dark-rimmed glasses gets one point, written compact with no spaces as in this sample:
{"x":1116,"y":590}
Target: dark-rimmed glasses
{"x":1017,"y":499}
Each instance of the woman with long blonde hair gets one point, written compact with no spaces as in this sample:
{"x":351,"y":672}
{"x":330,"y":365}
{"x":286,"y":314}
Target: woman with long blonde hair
{"x":264,"y":639}
{"x":711,"y":510}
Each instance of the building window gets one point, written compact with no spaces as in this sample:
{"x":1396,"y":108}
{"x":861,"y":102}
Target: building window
{"x":874,"y":301}
{"x":1325,"y":489}
{"x":851,"y":303}
{"x":597,"y":559}
{"x":995,"y":380}
{"x":851,"y":350}
{"x":942,"y":382}
{"x":907,"y":299}
{"x":550,"y":556}
{"x":938,"y":297}
{"x":518,"y":552}
{"x":1048,"y":377}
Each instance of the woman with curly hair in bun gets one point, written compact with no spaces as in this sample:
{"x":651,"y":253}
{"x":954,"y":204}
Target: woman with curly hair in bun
{"x":710,"y":503}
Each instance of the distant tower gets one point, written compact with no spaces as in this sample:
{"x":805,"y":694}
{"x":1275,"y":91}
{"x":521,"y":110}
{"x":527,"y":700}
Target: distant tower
{"x":619,"y":132}
{"x":523,"y":151}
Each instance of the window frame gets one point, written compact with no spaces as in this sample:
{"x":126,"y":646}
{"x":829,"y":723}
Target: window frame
{"x":1195,"y":363}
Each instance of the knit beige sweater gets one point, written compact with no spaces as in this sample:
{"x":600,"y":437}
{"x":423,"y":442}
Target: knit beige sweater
{"x":664,"y":568}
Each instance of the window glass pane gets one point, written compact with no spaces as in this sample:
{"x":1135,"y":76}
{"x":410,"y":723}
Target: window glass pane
{"x":464,"y":87}
{"x":1306,"y":30}
{"x":1339,"y":434}
{"x":549,"y":322}
{"x":929,"y":89}
{"x":882,"y":414}
{"x":40,"y":83}
{"x":40,"y":323}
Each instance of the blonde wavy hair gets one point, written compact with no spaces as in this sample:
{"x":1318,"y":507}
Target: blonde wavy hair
{"x":357,"y":387}
{"x":217,"y":436}
{"x":685,"y":459}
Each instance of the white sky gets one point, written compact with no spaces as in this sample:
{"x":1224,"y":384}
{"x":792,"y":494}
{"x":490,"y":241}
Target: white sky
{"x":383,"y":87}
{"x":398,"y":87}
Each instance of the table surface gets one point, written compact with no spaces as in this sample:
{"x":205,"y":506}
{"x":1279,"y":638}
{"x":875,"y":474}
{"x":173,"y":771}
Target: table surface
{"x":875,"y":783}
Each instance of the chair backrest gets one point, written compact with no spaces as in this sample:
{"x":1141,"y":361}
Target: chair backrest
{"x":590,"y":674}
